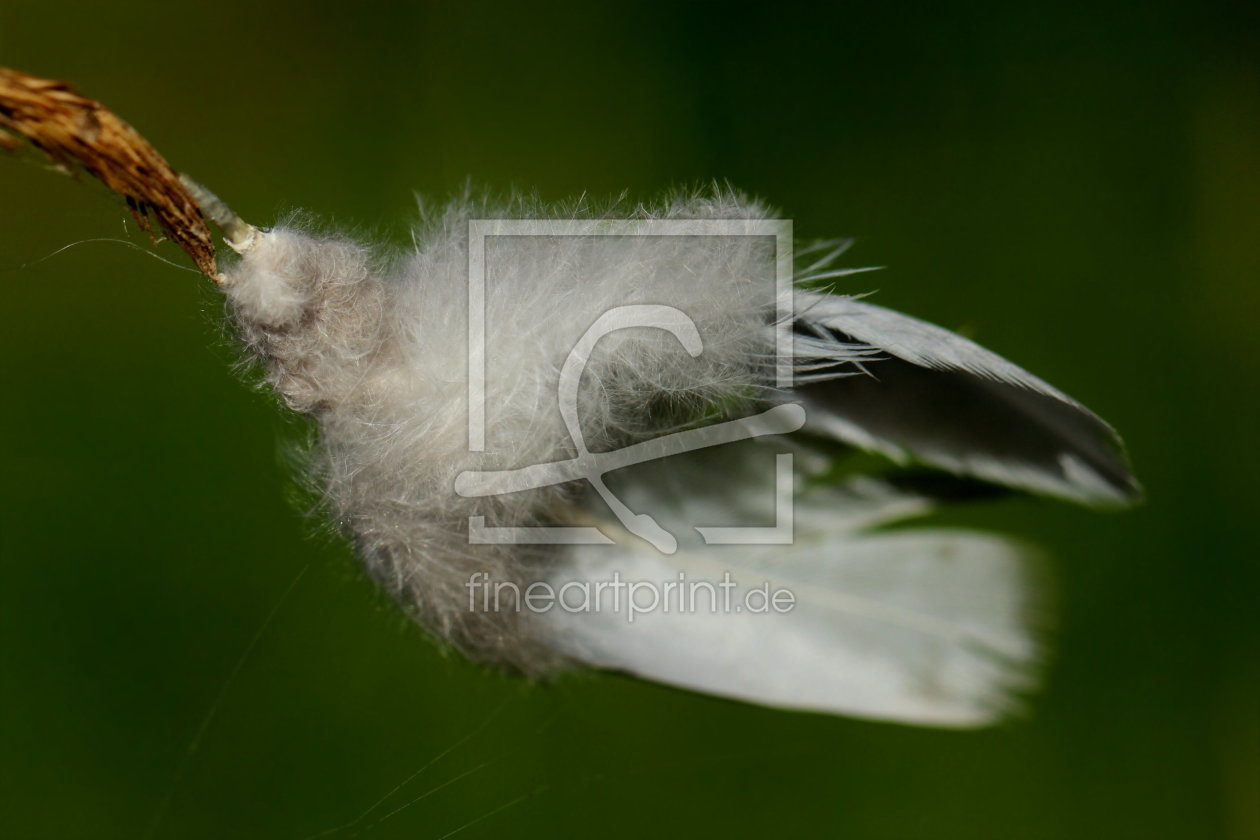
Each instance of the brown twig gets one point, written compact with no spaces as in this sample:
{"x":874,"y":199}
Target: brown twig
{"x":74,"y":130}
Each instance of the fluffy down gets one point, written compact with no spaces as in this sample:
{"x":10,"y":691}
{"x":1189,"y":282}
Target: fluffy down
{"x":376,"y":351}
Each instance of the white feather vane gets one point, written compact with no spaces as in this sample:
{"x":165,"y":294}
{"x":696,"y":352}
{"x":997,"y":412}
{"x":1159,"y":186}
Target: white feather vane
{"x":921,"y":626}
{"x":945,"y":400}
{"x":925,"y":626}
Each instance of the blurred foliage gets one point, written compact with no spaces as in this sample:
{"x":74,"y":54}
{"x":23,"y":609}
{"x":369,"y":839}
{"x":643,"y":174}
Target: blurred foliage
{"x":1075,"y":184}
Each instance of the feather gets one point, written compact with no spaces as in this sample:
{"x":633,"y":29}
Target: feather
{"x":922,"y":626}
{"x":934,"y":627}
{"x":931,"y":627}
{"x":923,"y":392}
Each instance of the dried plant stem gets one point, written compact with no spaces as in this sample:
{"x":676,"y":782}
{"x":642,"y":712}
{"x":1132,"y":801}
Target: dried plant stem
{"x":77,"y":132}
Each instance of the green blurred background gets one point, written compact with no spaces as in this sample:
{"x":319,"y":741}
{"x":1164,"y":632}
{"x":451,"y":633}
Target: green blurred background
{"x":1077,"y":185}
